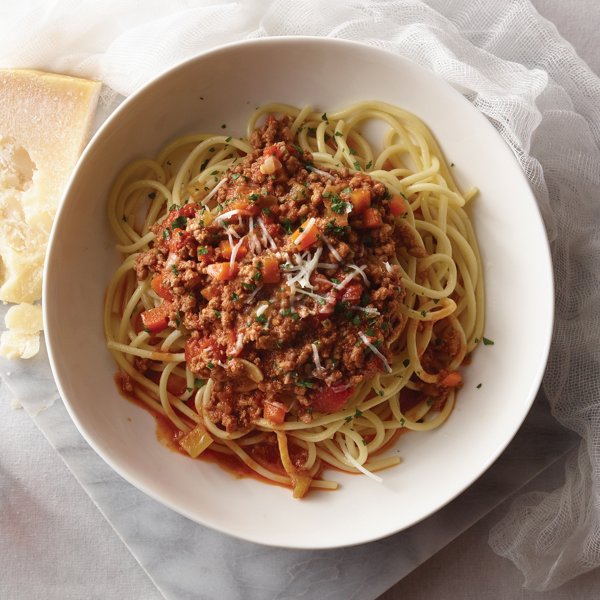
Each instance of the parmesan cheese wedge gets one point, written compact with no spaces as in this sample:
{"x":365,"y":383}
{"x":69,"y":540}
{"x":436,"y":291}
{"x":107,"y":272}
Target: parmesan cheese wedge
{"x":45,"y":121}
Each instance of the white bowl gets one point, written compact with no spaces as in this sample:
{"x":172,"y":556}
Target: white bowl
{"x":223,"y":87}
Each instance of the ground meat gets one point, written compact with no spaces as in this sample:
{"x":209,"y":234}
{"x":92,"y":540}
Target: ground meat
{"x":312,"y":279}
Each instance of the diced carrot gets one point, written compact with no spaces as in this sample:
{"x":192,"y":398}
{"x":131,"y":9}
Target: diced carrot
{"x":308,"y":232}
{"x":453,"y":379}
{"x":222,"y":271}
{"x":226,"y":249}
{"x":274,"y":411}
{"x":246,"y":208}
{"x":161,"y":290}
{"x":210,"y":292}
{"x":361,"y":200}
{"x":372,"y":219}
{"x":397,"y":206}
{"x":270,"y":271}
{"x":352,"y":293}
{"x":156,"y":319}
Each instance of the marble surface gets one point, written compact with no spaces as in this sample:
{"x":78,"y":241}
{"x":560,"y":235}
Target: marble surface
{"x":186,"y":560}
{"x":53,"y":544}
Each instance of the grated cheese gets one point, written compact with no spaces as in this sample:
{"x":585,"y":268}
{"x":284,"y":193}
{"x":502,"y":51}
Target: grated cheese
{"x":253,"y":294}
{"x":375,"y":351}
{"x":234,"y":251}
{"x":333,"y":251}
{"x":316,"y":357}
{"x":228,"y":214}
{"x":213,"y":191}
{"x":367,"y":309}
{"x":358,"y":466}
{"x":267,"y":237}
{"x":261,"y":309}
{"x":320,"y":172}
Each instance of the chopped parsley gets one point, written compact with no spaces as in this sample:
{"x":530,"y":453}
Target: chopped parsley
{"x":214,"y":172}
{"x":338,"y":205}
{"x":234,"y":297}
{"x":487,"y":342}
{"x":358,"y":413}
{"x":339,"y":133}
{"x":406,"y":362}
{"x":266,"y":210}
{"x":248,"y":286}
{"x":175,"y":269}
{"x":324,"y":116}
{"x":210,"y":365}
{"x":254,"y":197}
{"x":236,"y":176}
{"x":478,"y":385}
{"x":423,"y":313}
{"x":152,"y":195}
{"x":198,"y":383}
{"x":333,"y":228}
{"x":304,"y":383}
{"x":357,"y":165}
{"x":356,"y":320}
{"x":218,"y":314}
{"x":166,"y":234}
{"x":228,"y":139}
{"x":287,"y":225}
{"x":179,"y":222}
{"x":262,"y":319}
{"x":369,"y":164}
{"x":202,"y":250}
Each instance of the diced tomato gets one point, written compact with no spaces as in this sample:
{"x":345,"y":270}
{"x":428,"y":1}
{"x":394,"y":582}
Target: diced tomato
{"x":274,"y":411}
{"x":172,"y":223}
{"x":270,"y":271}
{"x":206,"y":255}
{"x":371,"y":219}
{"x":397,"y":206}
{"x":309,"y":232}
{"x":156,"y":319}
{"x":180,"y":239}
{"x":352,"y":293}
{"x":279,"y":150}
{"x":326,"y":310}
{"x":361,"y":200}
{"x":195,"y":347}
{"x":328,"y":400}
{"x":453,"y":379}
{"x":226,"y":249}
{"x":222,"y":271}
{"x":161,"y":290}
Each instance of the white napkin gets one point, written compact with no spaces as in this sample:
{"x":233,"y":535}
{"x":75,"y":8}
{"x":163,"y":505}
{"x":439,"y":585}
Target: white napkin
{"x":516,"y":69}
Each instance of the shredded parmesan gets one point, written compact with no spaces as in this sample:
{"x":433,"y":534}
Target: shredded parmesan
{"x":239,"y":344}
{"x":344,"y":282}
{"x":213,"y":191}
{"x":367,"y":309}
{"x":266,"y":234}
{"x":374,"y":350}
{"x":320,"y":172}
{"x":333,"y":251}
{"x":261,"y":309}
{"x":234,"y":251}
{"x":302,"y":277}
{"x":311,"y":295}
{"x":227,"y":215}
{"x":388,"y":267}
{"x":361,"y":272}
{"x":316,"y":357}
{"x":250,"y":298}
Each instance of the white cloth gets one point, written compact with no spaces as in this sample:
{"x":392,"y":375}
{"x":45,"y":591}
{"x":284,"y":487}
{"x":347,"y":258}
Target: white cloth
{"x":517,"y":70}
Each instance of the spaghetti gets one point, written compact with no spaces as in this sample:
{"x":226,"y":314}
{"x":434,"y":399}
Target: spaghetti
{"x":295,"y":299}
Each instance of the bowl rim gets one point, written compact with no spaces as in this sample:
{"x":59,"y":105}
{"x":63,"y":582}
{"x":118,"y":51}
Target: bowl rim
{"x":47,"y":306}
